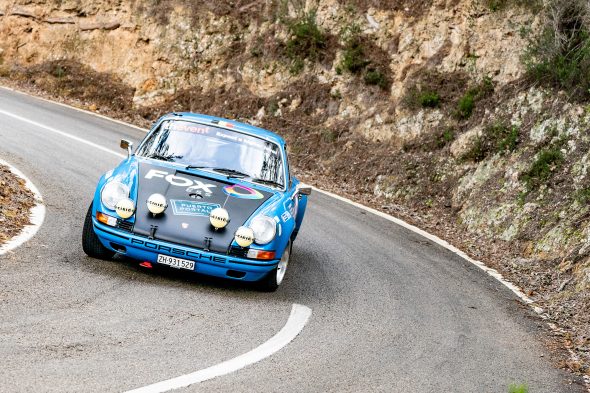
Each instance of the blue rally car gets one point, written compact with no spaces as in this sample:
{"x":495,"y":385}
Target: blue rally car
{"x":204,"y":194}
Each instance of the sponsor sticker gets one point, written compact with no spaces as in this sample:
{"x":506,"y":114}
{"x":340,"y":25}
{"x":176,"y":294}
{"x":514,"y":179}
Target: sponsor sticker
{"x":286,"y":216}
{"x":190,"y":208}
{"x":192,"y":128}
{"x":290,"y":206}
{"x":242,"y":192}
{"x":179,"y":181}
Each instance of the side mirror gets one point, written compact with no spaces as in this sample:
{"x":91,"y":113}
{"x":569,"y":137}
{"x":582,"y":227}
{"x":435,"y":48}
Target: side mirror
{"x":126,"y":145}
{"x":303,"y":189}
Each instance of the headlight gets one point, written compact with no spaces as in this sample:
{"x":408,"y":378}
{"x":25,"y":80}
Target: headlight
{"x":265,"y":229}
{"x":112,"y":193}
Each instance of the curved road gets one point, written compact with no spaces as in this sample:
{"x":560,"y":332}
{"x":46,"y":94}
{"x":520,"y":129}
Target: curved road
{"x":392,"y":312}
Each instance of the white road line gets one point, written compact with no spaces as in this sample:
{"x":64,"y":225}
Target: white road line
{"x":297,"y":320}
{"x":37,"y":214}
{"x":64,"y":134}
{"x":73,"y":107}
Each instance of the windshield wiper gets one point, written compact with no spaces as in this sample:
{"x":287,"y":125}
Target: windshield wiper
{"x":157,"y":156}
{"x":231,"y":172}
{"x":269,"y":182}
{"x":225,"y":171}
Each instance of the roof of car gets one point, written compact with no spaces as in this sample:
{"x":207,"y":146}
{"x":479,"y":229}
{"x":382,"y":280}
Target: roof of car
{"x":226,"y":123}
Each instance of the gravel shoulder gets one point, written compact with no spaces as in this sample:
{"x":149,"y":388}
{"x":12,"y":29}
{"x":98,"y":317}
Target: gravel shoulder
{"x":16,"y":202}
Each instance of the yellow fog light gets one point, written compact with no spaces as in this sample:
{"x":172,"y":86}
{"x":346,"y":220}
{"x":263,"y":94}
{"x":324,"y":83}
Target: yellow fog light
{"x":244,"y":236}
{"x":125,"y":208}
{"x":219,"y":218}
{"x":156,"y":203}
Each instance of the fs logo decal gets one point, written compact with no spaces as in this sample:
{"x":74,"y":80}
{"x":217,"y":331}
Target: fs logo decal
{"x":242,"y":192}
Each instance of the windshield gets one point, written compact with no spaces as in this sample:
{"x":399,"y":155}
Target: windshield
{"x":214,"y":148}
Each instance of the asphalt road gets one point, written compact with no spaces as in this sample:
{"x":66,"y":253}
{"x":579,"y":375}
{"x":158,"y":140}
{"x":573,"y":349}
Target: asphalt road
{"x":392,"y":312}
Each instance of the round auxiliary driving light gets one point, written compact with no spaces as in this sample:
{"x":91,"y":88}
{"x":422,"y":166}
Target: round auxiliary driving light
{"x":156,"y":203}
{"x":125,"y":208}
{"x":219,"y":218}
{"x":244,"y":236}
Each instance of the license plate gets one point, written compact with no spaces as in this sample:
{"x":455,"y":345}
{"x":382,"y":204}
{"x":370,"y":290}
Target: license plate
{"x":176,"y":262}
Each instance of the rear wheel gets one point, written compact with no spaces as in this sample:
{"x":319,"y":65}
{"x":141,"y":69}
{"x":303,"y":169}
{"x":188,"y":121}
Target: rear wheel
{"x":271,"y":282}
{"x":90,"y":242}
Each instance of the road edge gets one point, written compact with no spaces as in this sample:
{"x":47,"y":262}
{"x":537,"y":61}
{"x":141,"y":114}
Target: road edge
{"x":36,"y":214}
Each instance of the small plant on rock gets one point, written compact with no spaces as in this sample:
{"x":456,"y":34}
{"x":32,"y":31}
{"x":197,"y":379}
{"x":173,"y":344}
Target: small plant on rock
{"x":547,"y":161}
{"x":466,"y":104}
{"x":353,"y":56}
{"x":560,"y":55}
{"x":306,"y":42}
{"x":376,"y":77}
{"x":429,"y":99}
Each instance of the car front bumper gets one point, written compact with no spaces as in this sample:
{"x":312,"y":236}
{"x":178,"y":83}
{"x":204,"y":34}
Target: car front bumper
{"x":209,"y":263}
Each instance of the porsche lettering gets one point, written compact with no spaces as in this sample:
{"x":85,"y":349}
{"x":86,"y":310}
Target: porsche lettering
{"x":178,"y":251}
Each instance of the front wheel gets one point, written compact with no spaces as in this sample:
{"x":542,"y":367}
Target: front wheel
{"x":90,"y":242}
{"x":271,"y":282}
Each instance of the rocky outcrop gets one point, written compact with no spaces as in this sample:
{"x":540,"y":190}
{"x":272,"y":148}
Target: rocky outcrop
{"x":160,"y":51}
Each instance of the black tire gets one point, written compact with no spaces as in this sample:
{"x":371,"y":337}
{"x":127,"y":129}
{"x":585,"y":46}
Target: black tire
{"x":90,"y":243}
{"x":271,"y":281}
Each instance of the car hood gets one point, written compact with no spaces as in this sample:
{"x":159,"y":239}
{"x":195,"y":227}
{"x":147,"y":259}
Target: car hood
{"x":190,"y":198}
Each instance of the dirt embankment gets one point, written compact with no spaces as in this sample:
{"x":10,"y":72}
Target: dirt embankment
{"x":16,"y":202}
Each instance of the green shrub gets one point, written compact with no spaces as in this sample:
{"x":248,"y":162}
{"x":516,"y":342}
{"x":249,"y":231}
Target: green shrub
{"x":560,"y":55}
{"x":504,"y":138}
{"x":429,"y":99}
{"x":466,"y":104}
{"x":540,"y":171}
{"x":446,"y":137}
{"x":353,"y":58}
{"x":297,"y":65}
{"x":59,"y":71}
{"x":583,"y":195}
{"x":417,"y":98}
{"x":496,"y":138}
{"x":513,"y":388}
{"x":355,"y":61}
{"x":329,"y":136}
{"x":376,"y":77}
{"x":306,"y":40}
